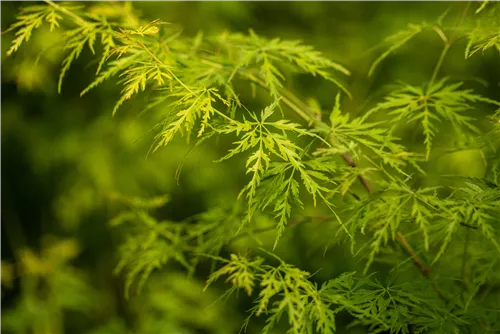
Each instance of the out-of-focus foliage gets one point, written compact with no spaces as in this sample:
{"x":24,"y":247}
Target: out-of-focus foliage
{"x":208,"y":134}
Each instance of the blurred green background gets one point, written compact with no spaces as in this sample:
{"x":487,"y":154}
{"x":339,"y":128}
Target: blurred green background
{"x":64,"y":156}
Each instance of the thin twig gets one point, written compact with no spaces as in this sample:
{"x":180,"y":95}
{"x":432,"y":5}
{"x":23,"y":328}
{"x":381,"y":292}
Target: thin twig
{"x":447,"y":44}
{"x":75,"y":17}
{"x":424,"y":270}
{"x":347,"y":158}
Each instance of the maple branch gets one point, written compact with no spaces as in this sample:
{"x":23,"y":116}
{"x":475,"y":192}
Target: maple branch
{"x":291,"y":101}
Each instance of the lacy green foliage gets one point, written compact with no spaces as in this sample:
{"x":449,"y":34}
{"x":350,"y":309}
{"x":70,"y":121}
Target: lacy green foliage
{"x":263,"y":53}
{"x":149,"y":244}
{"x":352,"y":135}
{"x":30,"y":19}
{"x":195,"y":86}
{"x":436,"y":218}
{"x":90,"y":27}
{"x":190,"y":107}
{"x":262,"y":136}
{"x":281,"y":187}
{"x":299,"y":299}
{"x":385,"y":211}
{"x":476,"y":206}
{"x":443,"y":101}
{"x":287,"y":295}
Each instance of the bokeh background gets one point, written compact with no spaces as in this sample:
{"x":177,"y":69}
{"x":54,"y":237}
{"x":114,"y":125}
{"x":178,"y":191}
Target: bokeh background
{"x":64,"y":156}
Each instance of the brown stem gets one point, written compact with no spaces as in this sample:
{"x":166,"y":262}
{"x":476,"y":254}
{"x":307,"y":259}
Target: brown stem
{"x":347,"y":157}
{"x":417,"y":261}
